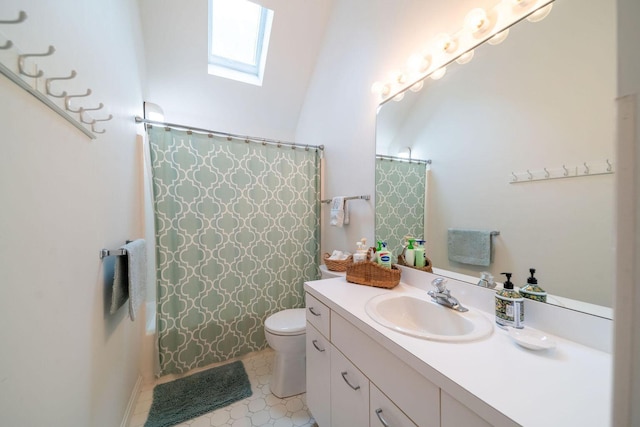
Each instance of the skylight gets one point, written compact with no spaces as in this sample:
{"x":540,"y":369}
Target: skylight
{"x":239,"y":33}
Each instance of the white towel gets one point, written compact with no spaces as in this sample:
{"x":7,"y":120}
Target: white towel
{"x":339,"y":212}
{"x":137,"y":266}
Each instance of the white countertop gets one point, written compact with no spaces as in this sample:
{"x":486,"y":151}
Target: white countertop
{"x":567,"y":386}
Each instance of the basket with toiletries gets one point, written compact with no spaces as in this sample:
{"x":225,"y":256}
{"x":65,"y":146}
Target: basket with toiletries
{"x":370,"y":273}
{"x":413,"y":255}
{"x":338,"y":261}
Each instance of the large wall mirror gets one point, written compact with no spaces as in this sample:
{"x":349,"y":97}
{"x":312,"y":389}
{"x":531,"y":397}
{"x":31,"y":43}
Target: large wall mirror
{"x":522,"y":142}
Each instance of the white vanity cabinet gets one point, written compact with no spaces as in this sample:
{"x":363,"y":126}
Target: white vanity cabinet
{"x":349,"y":393}
{"x":383,"y":413}
{"x":318,"y":376}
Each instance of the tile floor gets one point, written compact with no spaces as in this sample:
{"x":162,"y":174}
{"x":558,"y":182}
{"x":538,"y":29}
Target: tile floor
{"x":261,"y":409}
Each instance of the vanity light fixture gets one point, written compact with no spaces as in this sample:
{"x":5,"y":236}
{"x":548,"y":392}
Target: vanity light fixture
{"x":477,"y":21}
{"x":465,"y":57}
{"x":540,"y":14}
{"x":446,"y":43}
{"x":399,"y":97}
{"x":439,"y":73}
{"x":498,"y":38}
{"x":397,"y":77}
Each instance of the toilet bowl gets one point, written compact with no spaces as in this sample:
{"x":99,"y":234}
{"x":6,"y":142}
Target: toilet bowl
{"x":286,"y":334}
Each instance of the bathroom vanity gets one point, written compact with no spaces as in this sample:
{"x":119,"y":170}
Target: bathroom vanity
{"x":360,"y":373}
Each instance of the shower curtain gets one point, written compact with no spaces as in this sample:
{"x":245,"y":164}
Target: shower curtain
{"x":400,"y":202}
{"x":236,"y":238}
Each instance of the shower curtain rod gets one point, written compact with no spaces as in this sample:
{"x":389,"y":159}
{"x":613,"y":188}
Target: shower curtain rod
{"x":402,"y":159}
{"x":228,"y":135}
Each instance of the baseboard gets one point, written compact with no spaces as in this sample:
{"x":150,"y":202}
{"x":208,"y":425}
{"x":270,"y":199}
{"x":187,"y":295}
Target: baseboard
{"x":132,"y":402}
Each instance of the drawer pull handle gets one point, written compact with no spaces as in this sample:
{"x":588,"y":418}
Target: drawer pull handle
{"x":313,"y":312}
{"x":344,"y":377}
{"x":382,"y":420}
{"x":315,"y":344}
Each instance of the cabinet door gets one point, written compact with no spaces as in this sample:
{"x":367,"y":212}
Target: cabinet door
{"x":318,"y":376}
{"x":383,"y":413}
{"x":349,"y":393}
{"x":455,"y":414}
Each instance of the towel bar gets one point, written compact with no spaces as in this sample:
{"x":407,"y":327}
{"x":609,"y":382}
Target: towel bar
{"x":366,"y":197}
{"x":112,"y":252}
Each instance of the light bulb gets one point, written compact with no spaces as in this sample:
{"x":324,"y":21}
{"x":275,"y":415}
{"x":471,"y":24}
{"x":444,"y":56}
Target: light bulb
{"x":399,"y":97}
{"x":521,"y":3}
{"x":418,"y":64}
{"x":540,"y":14}
{"x":499,"y":38}
{"x":417,"y":86}
{"x":465,"y":57}
{"x":380,"y":89}
{"x":476,"y":20}
{"x":446,"y":43}
{"x":398,"y":77}
{"x":439,"y":73}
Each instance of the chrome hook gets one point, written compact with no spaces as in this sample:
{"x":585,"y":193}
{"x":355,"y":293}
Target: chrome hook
{"x":609,"y":166}
{"x":21,"y":58}
{"x":7,"y":45}
{"x":515,"y":178}
{"x":546,"y":173}
{"x":81,"y":111}
{"x":530,"y":175}
{"x":586,"y":169}
{"x":93,"y":129}
{"x":566,"y":171}
{"x":48,"y":81}
{"x":21,"y":17}
{"x":67,"y":101}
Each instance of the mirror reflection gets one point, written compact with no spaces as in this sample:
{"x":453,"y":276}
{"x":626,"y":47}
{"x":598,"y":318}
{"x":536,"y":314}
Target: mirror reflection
{"x":521,"y":141}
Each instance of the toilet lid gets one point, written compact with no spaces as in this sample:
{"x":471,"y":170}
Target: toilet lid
{"x":287,"y":322}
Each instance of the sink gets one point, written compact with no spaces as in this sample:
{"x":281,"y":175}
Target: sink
{"x":423,"y":318}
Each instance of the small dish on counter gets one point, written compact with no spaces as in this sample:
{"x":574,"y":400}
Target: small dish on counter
{"x":531,"y":339}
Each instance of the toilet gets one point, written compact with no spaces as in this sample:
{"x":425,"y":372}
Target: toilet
{"x":286,"y":334}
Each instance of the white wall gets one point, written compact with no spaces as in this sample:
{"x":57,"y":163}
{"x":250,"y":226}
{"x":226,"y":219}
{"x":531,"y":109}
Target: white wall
{"x":365,"y":40}
{"x":175,"y":34}
{"x":537,"y":100}
{"x":65,"y":361}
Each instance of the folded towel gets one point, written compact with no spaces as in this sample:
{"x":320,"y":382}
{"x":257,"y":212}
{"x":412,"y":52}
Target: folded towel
{"x":337,"y":212}
{"x":469,"y":246}
{"x":137,"y":269}
{"x":130,"y":278}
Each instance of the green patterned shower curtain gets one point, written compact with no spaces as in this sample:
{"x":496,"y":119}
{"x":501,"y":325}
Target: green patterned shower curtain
{"x":400,"y":194}
{"x":236,"y":238}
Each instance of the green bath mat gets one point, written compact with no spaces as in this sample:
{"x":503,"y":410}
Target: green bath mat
{"x":190,"y":397}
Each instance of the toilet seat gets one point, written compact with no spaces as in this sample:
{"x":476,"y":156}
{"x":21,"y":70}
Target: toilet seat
{"x":287,"y":322}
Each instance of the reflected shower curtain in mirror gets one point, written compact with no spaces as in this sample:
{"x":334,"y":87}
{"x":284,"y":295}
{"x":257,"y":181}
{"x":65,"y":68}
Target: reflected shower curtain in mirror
{"x":400,"y":202}
{"x":236,"y":238}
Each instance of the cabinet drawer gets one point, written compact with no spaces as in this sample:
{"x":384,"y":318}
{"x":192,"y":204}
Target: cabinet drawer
{"x":318,"y":315}
{"x":318,"y":376}
{"x":416,"y":396}
{"x":349,"y":393}
{"x":383,"y":413}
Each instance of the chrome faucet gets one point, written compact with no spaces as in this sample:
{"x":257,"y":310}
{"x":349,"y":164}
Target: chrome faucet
{"x":442,"y":295}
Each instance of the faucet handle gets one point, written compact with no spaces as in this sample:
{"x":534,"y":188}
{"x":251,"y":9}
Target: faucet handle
{"x":439,"y":283}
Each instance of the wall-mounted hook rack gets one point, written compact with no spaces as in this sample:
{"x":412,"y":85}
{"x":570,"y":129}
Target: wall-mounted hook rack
{"x":544,"y":174}
{"x":47,"y":84}
{"x":21,"y":62}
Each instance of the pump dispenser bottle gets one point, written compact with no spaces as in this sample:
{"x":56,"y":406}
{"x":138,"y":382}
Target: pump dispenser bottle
{"x":409,"y":254}
{"x":532,"y":290}
{"x":509,"y":305}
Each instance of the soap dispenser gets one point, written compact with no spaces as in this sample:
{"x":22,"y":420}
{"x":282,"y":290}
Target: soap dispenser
{"x":384,"y":256}
{"x":532,"y":290}
{"x":409,"y":254}
{"x":509,"y":305}
{"x":419,"y":253}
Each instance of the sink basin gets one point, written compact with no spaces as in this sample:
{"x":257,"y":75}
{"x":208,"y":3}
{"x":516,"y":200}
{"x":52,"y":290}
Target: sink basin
{"x":423,"y":318}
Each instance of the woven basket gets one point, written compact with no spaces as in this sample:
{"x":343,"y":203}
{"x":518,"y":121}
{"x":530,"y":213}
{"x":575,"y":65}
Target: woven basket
{"x":427,"y":264}
{"x":371,"y":274}
{"x":337,"y":265}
